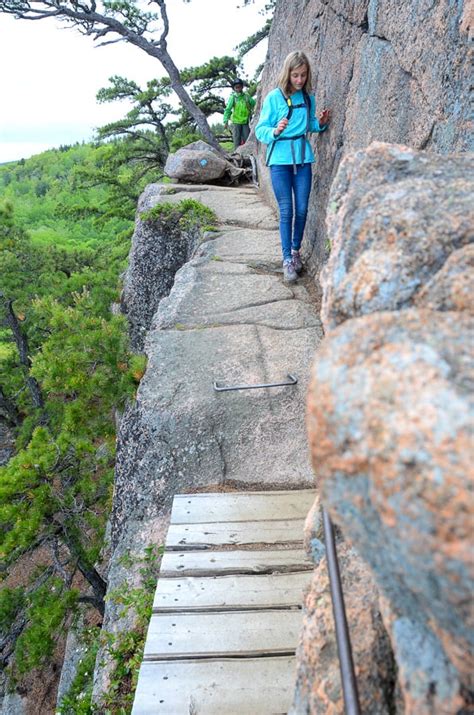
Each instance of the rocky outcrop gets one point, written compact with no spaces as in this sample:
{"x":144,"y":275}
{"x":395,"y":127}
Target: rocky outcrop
{"x":395,"y":216}
{"x":172,"y":438}
{"x":160,"y":246}
{"x":389,"y":71}
{"x":200,"y":163}
{"x":390,"y":406}
{"x":75,"y":650}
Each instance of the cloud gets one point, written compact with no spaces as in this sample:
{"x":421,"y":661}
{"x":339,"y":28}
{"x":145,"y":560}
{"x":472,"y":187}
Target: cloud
{"x":51,"y":74}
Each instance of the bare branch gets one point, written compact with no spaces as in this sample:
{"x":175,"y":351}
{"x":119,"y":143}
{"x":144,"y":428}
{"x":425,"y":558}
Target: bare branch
{"x":166,"y":26}
{"x":67,"y":578}
{"x":21,"y":342}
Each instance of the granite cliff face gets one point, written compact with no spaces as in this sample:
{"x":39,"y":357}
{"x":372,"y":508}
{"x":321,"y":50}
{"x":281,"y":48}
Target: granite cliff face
{"x":159,"y":249}
{"x":389,"y":71}
{"x":390,"y":417}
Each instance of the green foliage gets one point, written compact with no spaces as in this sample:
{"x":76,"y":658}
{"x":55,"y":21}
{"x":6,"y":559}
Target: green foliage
{"x":250,"y":42}
{"x":151,"y":109}
{"x":46,"y":609}
{"x":56,"y":209}
{"x":186,"y":213}
{"x":12,"y":601}
{"x":126,"y":648}
{"x":129,"y":14}
{"x":124,"y":166}
{"x":77,"y":700}
{"x":55,"y":491}
{"x":182,"y":137}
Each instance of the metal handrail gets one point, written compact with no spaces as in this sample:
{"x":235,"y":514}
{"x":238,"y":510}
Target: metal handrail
{"x":346,"y":663}
{"x":226,"y":388}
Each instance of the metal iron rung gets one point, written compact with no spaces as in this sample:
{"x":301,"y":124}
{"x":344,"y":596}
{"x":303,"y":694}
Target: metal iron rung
{"x":227,"y":388}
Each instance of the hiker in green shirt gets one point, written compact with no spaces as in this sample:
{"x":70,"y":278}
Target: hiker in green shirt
{"x":239,"y":109}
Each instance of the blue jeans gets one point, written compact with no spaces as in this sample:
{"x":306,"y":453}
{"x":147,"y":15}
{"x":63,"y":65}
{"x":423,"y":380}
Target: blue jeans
{"x":287,"y":184}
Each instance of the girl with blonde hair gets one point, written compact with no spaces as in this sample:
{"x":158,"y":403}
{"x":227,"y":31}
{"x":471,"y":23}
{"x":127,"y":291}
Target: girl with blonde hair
{"x":288,"y":115}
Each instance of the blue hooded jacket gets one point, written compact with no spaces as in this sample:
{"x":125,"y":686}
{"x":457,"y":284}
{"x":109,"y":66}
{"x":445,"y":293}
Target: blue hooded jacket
{"x":274,"y":109}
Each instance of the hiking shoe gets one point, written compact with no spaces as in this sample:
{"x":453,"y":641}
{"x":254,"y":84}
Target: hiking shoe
{"x":289,"y":273}
{"x":296,"y":258}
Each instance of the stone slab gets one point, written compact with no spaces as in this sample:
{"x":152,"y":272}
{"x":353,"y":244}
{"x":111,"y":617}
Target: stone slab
{"x":257,"y":248}
{"x":264,"y":430}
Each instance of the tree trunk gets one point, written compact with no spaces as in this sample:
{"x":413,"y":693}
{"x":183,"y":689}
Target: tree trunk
{"x":21,"y":342}
{"x":199,"y":116}
{"x":92,"y":576}
{"x":98,"y":584}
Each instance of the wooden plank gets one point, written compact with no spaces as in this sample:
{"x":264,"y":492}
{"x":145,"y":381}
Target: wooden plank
{"x":228,"y":592}
{"x":207,"y":563}
{"x":234,"y":633}
{"x":235,"y":533}
{"x":261,"y":686}
{"x":241,"y":506}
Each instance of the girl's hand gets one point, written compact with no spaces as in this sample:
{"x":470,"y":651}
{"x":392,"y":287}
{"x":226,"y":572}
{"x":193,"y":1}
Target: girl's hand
{"x":323,"y":116}
{"x":282,"y":124}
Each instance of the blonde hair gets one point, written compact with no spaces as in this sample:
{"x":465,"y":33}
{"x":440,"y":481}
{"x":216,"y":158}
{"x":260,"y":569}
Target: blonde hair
{"x":292,"y":62}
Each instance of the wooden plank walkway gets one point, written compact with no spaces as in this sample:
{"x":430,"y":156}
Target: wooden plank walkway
{"x":227,"y":608}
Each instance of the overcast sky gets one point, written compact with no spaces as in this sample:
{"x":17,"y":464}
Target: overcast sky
{"x":51,"y":74}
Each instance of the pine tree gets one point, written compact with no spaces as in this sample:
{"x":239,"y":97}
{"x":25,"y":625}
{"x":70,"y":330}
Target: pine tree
{"x":55,"y":491}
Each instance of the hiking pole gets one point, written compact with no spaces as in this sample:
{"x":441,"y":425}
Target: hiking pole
{"x":227,"y":388}
{"x":346,"y":663}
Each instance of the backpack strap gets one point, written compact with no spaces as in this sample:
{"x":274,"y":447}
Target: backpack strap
{"x":289,"y":103}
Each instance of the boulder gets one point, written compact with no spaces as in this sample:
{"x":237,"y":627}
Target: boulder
{"x":395,"y":215}
{"x":390,"y":425}
{"x":200,"y":163}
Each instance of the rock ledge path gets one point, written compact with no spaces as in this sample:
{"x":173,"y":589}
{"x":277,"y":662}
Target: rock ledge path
{"x":229,"y":318}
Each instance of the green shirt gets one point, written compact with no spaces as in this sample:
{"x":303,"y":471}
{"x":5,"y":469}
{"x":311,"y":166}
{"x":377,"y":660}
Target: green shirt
{"x":239,"y":108}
